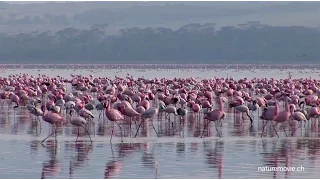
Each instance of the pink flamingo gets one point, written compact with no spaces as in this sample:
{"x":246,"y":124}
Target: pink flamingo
{"x":130,"y":112}
{"x":114,"y":116}
{"x":51,"y":118}
{"x":314,"y":112}
{"x":269,"y":114}
{"x":215,"y":115}
{"x":298,"y":116}
{"x":79,"y":122}
{"x":283,"y":116}
{"x":14,"y":98}
{"x":149,"y":114}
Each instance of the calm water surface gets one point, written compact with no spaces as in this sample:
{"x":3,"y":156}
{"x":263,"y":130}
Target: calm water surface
{"x":176,"y":154}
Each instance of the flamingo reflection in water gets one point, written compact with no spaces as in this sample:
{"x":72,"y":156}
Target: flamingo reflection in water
{"x":279,"y":156}
{"x":215,"y":156}
{"x":82,"y":150}
{"x":149,"y":159}
{"x":52,"y":167}
{"x":113,"y":168}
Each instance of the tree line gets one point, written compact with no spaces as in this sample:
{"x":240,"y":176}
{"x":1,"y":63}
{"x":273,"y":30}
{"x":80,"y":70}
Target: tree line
{"x":192,"y":43}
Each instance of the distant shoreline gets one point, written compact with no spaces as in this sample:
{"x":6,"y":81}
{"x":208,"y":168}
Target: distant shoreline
{"x":160,"y":66}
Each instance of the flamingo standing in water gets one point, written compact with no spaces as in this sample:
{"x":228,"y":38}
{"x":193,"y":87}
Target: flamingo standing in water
{"x":130,"y":112}
{"x":36,"y":112}
{"x":113,"y":115}
{"x":269,"y":113}
{"x":283,"y":116}
{"x":244,"y":109}
{"x":14,"y":98}
{"x":253,"y":107}
{"x":79,"y":122}
{"x":53,"y":119}
{"x":298,"y":116}
{"x":100,"y":108}
{"x":215,"y":115}
{"x":150,"y":113}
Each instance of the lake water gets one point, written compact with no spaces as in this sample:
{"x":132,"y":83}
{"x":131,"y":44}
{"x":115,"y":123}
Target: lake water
{"x":176,"y":154}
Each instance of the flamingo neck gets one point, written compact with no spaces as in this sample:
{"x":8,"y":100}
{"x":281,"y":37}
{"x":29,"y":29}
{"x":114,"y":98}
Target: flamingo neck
{"x":276,"y":106}
{"x":221,"y":105}
{"x":108,"y":106}
{"x":287,"y":109}
{"x":44,"y":110}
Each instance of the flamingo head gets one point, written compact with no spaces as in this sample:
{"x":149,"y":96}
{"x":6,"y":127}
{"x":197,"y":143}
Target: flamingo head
{"x":54,"y":98}
{"x":122,"y":107}
{"x":106,"y":103}
{"x":129,"y":99}
{"x":72,"y":111}
{"x":292,"y":108}
{"x":302,"y":102}
{"x":174,"y":100}
{"x":223,"y":99}
{"x":159,"y":90}
{"x":254,"y":102}
{"x":43,"y":107}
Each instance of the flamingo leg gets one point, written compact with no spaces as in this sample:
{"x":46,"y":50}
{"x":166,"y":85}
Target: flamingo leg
{"x":285,"y":132}
{"x":77,"y":134}
{"x":263,"y":128}
{"x":130,"y":125}
{"x":39,"y":123}
{"x":112,"y":131}
{"x":215,"y":122}
{"x":111,"y":134}
{"x":154,"y":129}
{"x":204,"y":127}
{"x":120,"y":130}
{"x":138,"y":129}
{"x":99,"y":115}
{"x":87,"y":133}
{"x":47,"y":137}
{"x":274,"y":127}
{"x":296,"y":128}
{"x":250,"y":118}
{"x":220,"y":127}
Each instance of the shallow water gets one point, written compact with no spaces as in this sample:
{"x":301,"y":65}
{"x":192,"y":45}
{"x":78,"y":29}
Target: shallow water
{"x":172,"y":73}
{"x":178,"y":153}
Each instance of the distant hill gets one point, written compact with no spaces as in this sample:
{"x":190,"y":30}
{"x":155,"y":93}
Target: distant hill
{"x":25,"y":17}
{"x":250,"y":42}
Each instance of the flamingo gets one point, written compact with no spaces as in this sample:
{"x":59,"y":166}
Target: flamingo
{"x":36,"y":112}
{"x":269,"y":113}
{"x":215,"y":115}
{"x":100,"y":107}
{"x":283,"y":116}
{"x":182,"y":112}
{"x":244,"y":109}
{"x":150,"y":113}
{"x":130,"y":112}
{"x":113,"y":115}
{"x":80,"y":122}
{"x":298,"y":116}
{"x":254,"y":106}
{"x":51,"y":118}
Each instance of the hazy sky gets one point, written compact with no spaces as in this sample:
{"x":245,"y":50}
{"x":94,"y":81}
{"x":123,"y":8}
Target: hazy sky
{"x":230,"y":2}
{"x":33,"y":2}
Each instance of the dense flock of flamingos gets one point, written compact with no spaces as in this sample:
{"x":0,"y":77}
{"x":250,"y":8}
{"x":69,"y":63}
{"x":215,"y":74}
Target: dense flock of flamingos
{"x":130,"y":102}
